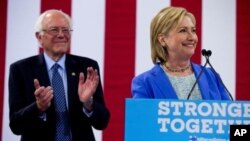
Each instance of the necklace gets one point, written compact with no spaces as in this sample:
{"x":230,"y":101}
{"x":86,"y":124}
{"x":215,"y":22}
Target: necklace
{"x":177,"y":70}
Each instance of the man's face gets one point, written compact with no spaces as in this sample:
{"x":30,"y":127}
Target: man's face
{"x":56,"y":35}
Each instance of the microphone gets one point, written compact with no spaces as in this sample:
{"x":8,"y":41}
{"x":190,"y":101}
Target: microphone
{"x":204,"y":53}
{"x":207,"y":54}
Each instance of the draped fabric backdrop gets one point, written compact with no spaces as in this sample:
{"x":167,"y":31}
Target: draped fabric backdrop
{"x":116,"y":34}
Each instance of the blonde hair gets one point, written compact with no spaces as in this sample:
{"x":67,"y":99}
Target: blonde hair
{"x":165,"y":20}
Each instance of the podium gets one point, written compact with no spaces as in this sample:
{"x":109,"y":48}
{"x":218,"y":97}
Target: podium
{"x":183,"y":120}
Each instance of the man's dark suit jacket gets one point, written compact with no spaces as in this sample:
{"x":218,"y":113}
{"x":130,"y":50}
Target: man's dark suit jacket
{"x":24,"y":114}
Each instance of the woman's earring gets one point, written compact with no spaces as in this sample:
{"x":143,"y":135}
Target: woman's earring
{"x":164,"y":45}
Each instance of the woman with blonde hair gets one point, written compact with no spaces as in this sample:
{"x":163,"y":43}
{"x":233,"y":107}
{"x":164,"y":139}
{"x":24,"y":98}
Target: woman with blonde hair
{"x":173,"y":42}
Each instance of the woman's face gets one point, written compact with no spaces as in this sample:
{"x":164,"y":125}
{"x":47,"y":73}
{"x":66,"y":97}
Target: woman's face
{"x":181,"y":41}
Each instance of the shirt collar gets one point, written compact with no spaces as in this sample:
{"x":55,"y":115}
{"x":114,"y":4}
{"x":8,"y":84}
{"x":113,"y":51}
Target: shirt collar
{"x":51,"y":62}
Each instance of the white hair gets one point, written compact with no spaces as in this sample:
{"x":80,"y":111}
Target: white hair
{"x":38,"y":24}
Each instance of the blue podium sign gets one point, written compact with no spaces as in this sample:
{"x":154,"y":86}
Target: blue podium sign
{"x":183,"y":120}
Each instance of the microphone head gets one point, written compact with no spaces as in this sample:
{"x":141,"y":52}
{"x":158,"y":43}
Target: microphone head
{"x":204,"y":52}
{"x":209,"y":53}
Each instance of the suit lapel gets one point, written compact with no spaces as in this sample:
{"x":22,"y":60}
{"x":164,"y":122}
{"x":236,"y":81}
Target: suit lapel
{"x":72,"y":80}
{"x":163,"y":83}
{"x":41,"y":71}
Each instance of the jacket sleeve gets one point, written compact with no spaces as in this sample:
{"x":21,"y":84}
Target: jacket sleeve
{"x":101,"y":115}
{"x":138,"y":88}
{"x":23,"y":114}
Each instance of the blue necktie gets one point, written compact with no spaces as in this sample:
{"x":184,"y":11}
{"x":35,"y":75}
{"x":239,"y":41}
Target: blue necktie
{"x":62,"y":123}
